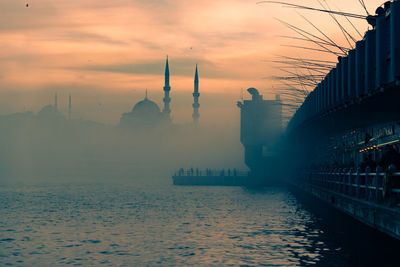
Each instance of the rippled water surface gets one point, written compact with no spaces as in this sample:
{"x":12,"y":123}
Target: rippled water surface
{"x":108,"y":225}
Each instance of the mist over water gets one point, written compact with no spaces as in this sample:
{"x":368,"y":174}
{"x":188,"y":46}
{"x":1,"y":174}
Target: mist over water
{"x":89,"y":183}
{"x":100,"y":153}
{"x":90,"y":192}
{"x":38,"y":148}
{"x":161,"y":226}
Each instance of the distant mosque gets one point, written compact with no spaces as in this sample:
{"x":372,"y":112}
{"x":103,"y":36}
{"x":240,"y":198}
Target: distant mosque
{"x":144,"y":115}
{"x":51,"y":112}
{"x":147,"y":114}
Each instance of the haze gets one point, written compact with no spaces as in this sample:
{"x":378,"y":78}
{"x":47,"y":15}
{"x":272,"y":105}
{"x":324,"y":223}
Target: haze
{"x":106,"y":54}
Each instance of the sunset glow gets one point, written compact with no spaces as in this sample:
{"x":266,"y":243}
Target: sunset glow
{"x":121,"y":45}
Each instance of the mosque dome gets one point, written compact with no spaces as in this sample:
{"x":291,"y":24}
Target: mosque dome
{"x":144,"y":114}
{"x":145,"y":107}
{"x":50,"y":112}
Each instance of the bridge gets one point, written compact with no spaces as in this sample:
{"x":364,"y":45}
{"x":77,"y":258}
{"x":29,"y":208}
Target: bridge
{"x":370,"y":197}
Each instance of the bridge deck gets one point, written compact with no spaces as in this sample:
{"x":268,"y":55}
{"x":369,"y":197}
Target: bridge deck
{"x":360,"y":195}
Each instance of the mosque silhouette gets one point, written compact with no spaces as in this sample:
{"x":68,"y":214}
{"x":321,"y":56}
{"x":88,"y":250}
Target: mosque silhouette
{"x":146,"y":113}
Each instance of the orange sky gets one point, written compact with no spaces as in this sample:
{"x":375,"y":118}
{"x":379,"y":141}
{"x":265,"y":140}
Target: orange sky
{"x":121,"y":45}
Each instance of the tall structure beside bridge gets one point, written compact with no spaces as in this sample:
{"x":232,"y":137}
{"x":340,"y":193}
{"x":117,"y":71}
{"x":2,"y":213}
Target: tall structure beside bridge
{"x":260,"y":128}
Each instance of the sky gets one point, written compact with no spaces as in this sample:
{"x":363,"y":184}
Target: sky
{"x":118,"y":48}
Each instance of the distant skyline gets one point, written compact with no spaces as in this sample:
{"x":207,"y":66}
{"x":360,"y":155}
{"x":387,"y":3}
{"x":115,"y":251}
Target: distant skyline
{"x":119,"y":46}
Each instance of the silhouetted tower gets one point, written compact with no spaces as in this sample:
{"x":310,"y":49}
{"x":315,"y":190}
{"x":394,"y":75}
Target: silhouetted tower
{"x":167,"y":88}
{"x":196,"y":95}
{"x":56,"y":101}
{"x":69,"y":107}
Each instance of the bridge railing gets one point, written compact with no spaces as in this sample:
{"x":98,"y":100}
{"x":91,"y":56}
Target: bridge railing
{"x":209,"y":172}
{"x":379,"y":186}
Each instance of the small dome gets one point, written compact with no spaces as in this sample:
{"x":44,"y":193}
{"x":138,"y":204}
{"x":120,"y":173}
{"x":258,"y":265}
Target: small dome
{"x":145,"y":107}
{"x":50,"y":112}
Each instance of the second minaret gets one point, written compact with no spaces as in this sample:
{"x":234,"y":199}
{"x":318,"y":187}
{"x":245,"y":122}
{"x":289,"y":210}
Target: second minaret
{"x":196,"y":96}
{"x":167,"y":88}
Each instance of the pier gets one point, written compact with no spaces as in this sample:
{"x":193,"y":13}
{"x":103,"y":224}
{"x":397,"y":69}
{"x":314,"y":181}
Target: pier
{"x":208,"y":177}
{"x":372,"y":198}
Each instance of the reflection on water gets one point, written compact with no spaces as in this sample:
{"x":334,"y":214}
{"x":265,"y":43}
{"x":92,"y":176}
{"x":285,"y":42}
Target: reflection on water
{"x":127,"y":225}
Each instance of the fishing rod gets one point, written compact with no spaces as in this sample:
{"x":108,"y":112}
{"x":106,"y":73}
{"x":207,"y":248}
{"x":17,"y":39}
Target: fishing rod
{"x":349,"y":21}
{"x":303,"y":64}
{"x":313,"y":49}
{"x":343,"y":49}
{"x":364,"y":6}
{"x":306,"y":35}
{"x":356,"y":16}
{"x":292,"y":88}
{"x":307,"y":59}
{"x":325,"y":35}
{"x":322,"y":72}
{"x":345,"y":33}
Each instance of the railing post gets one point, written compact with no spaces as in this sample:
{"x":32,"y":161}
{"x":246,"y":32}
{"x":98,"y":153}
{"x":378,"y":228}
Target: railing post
{"x":358,"y":183}
{"x":392,"y":195}
{"x":327,"y":179}
{"x":337,"y":180}
{"x":367,"y":171}
{"x":333,"y":181}
{"x":349,"y":186}
{"x":343,"y":182}
{"x":376,"y":182}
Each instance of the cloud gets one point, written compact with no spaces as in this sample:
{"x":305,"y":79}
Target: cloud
{"x":123,"y":43}
{"x":178,"y":66}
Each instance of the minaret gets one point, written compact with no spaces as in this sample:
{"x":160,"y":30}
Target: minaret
{"x":55,"y":101}
{"x":196,"y":95}
{"x":167,"y":88}
{"x":69,"y":107}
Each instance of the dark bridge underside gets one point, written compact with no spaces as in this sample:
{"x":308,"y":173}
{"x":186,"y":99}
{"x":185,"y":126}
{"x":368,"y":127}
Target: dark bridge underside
{"x":379,"y":107}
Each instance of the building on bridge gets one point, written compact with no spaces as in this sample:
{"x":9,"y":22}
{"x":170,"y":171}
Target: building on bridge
{"x":260,"y":128}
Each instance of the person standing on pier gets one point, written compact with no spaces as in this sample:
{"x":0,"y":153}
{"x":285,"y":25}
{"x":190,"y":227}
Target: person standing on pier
{"x":390,"y":156}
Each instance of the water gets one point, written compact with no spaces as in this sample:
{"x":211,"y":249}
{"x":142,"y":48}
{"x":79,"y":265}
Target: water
{"x":115,"y":225}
